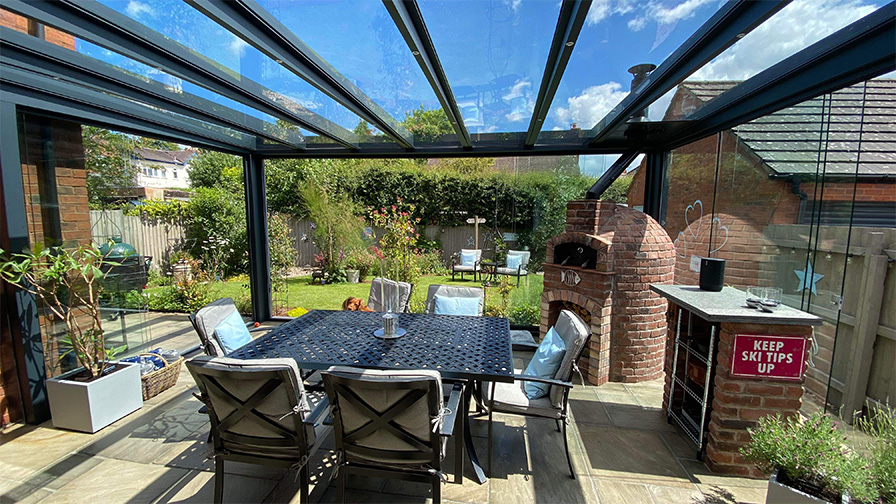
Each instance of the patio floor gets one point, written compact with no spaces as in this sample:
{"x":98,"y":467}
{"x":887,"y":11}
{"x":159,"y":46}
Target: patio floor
{"x":623,"y":449}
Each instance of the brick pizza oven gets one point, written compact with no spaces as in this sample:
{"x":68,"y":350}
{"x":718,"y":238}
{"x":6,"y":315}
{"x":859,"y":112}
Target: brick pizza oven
{"x":601,"y":268}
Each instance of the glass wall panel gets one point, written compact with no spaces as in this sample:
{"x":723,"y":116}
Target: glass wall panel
{"x":803,"y":200}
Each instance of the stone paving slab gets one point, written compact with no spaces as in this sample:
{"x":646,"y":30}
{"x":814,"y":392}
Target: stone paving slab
{"x":622,"y":451}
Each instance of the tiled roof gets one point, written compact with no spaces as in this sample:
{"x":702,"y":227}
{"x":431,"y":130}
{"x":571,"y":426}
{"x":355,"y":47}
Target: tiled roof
{"x":789,"y":141}
{"x":165,"y":156}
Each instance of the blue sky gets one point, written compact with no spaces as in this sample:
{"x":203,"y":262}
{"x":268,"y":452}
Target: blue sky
{"x":493,"y":52}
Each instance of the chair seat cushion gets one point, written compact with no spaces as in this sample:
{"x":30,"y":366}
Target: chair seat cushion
{"x":445,"y":305}
{"x":232,"y":332}
{"x":511,"y":271}
{"x":461,"y":267}
{"x":519,"y":336}
{"x":545,"y":363}
{"x":511,"y":398}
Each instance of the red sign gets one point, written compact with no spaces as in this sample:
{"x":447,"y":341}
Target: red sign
{"x":768,"y":356}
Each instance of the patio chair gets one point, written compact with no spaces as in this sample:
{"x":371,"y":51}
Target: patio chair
{"x":516,"y":265}
{"x":206,"y":321}
{"x":391,"y":424}
{"x":511,"y":397}
{"x":466,"y":261}
{"x":385,"y":294}
{"x":260,"y":414}
{"x":453,"y":300}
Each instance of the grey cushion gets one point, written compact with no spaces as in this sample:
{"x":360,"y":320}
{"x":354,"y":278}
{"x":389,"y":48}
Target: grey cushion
{"x":207,"y":319}
{"x":416,"y":419}
{"x":575,"y":333}
{"x":521,"y":337}
{"x":276,"y":407}
{"x":384,"y":295}
{"x":511,"y":398}
{"x":511,"y":271}
{"x":404,"y":296}
{"x":453,"y":291}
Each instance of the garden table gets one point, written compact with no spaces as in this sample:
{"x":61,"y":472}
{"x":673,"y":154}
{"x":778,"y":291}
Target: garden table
{"x":461,"y":348}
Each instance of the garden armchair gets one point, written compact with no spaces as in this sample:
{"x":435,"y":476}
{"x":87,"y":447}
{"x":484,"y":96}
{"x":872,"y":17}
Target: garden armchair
{"x":217,"y":325}
{"x":512,"y":397}
{"x":260,"y":414}
{"x":390,"y":424}
{"x":466,"y":261}
{"x":453,"y":300}
{"x":516,"y":264}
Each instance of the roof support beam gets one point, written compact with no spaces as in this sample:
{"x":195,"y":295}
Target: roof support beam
{"x":407,"y":17}
{"x":612,"y":173}
{"x":723,"y":29}
{"x":93,"y":21}
{"x":12,"y":78}
{"x":257,"y":27}
{"x":24,"y":51}
{"x":569,"y":25}
{"x":853,"y":54}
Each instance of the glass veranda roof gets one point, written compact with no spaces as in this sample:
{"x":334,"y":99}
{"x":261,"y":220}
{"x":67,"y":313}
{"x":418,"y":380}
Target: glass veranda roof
{"x":328,"y":78}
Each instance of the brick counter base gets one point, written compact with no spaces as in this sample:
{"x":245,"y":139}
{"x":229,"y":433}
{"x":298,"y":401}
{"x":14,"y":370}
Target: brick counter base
{"x":740,"y":402}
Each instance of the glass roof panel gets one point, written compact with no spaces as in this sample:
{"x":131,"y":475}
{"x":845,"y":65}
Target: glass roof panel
{"x":185,"y":25}
{"x":359,"y":39}
{"x":618,"y":35}
{"x":493,"y":53}
{"x":795,"y":27}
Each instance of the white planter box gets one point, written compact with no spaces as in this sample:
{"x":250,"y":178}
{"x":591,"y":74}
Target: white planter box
{"x":782,"y":494}
{"x":90,"y":406}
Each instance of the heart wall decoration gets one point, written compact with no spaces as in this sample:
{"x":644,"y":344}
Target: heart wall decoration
{"x":696,"y":231}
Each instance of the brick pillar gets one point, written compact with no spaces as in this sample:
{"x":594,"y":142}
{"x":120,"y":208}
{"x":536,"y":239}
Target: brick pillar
{"x":740,"y":402}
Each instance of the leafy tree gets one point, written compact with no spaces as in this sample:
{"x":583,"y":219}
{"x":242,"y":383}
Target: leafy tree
{"x":618,"y":190}
{"x":363,"y":130}
{"x":427,"y":125}
{"x":107,"y":159}
{"x":217,"y":169}
{"x":338,"y":228}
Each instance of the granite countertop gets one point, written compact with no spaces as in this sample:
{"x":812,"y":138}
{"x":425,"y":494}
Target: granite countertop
{"x":729,"y":305}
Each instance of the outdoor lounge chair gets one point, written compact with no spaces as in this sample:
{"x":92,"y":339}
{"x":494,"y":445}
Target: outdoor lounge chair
{"x":520,"y":269}
{"x":390,"y":424}
{"x":388,"y":294}
{"x":458,"y":265}
{"x":511,"y":397}
{"x":451,"y":291}
{"x":206,"y":319}
{"x":260,"y":414}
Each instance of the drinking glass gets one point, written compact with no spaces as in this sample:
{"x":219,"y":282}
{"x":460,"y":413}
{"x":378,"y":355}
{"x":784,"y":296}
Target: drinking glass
{"x":754,"y":296}
{"x":771,"y":299}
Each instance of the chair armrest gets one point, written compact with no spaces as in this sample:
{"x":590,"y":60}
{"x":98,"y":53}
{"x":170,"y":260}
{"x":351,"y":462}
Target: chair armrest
{"x":319,"y":413}
{"x":549,"y":381}
{"x":454,"y":401}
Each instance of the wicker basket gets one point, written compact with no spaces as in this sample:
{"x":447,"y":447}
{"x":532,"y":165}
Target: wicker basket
{"x":162,"y":379}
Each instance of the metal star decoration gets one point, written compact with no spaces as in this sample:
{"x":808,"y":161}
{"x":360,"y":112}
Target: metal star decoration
{"x":808,"y":279}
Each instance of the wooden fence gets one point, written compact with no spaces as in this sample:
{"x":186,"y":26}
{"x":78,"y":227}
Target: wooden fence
{"x":855,"y":348}
{"x":158,"y":239}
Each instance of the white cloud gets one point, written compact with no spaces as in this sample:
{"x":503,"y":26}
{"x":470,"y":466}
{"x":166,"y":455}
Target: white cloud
{"x":795,"y":27}
{"x":134,"y":9}
{"x":591,"y":106}
{"x":602,"y":9}
{"x":669,"y":15}
{"x":637,"y":24}
{"x":514,"y":4}
{"x":237,"y":46}
{"x":519,"y":96}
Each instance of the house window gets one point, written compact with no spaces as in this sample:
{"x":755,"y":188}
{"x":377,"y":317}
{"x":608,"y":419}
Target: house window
{"x":174,"y":172}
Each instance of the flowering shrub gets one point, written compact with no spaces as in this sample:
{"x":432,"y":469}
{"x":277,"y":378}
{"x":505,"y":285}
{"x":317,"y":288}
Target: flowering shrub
{"x":298,"y":311}
{"x":398,"y":243}
{"x":362,"y":260}
{"x":881,"y":426}
{"x":811,"y":456}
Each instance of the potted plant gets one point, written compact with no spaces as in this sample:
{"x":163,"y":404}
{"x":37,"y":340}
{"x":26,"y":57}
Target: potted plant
{"x":69,"y":284}
{"x":808,"y":461}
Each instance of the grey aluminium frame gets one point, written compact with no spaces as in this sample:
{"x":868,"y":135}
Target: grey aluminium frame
{"x":724,"y":28}
{"x":569,"y":25}
{"x":94,"y":22}
{"x":409,"y":21}
{"x":257,"y":27}
{"x":41,"y":56}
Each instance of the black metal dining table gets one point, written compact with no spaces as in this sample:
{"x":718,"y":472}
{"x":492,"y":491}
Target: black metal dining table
{"x":463,"y":348}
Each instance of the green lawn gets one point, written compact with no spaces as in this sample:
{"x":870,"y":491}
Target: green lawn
{"x":331,"y":296}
